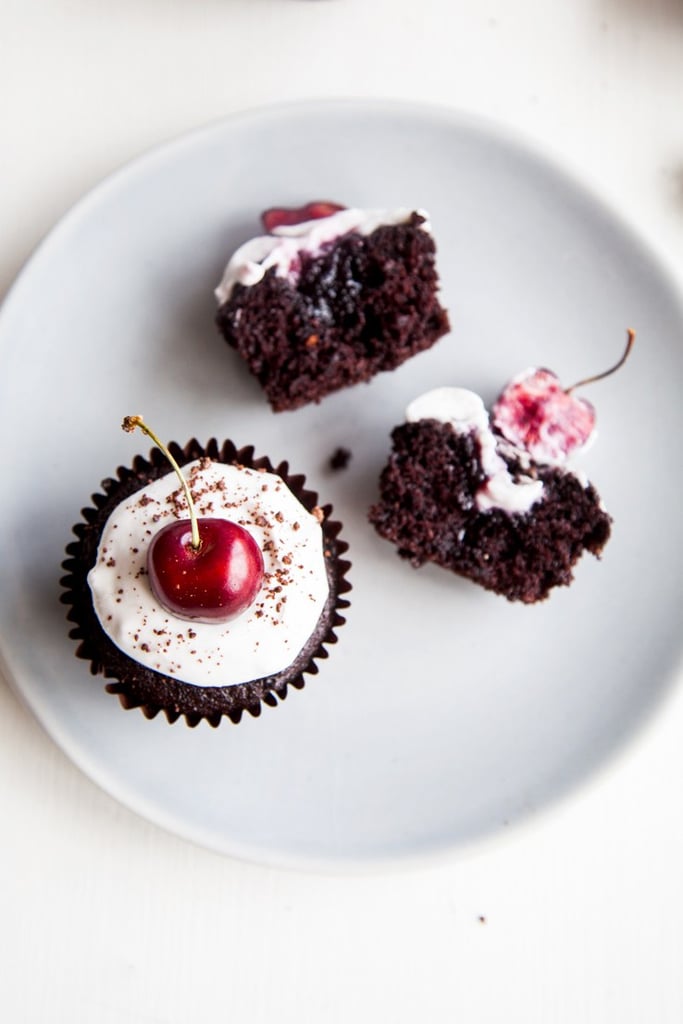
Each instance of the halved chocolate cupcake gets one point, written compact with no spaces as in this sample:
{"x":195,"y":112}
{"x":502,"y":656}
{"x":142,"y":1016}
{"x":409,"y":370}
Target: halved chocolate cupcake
{"x":456,"y":493}
{"x":186,"y":666}
{"x":330,"y":297}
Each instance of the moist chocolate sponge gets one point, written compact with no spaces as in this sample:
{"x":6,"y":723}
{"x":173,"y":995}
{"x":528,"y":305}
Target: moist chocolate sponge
{"x":427,"y":509}
{"x":365,"y":304}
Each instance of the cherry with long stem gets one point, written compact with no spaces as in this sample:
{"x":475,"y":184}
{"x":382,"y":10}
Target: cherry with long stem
{"x":537,"y":415}
{"x":214,"y":575}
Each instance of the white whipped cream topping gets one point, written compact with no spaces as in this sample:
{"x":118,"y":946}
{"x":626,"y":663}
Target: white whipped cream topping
{"x":269,"y":635}
{"x":284,"y":246}
{"x":466,"y":413}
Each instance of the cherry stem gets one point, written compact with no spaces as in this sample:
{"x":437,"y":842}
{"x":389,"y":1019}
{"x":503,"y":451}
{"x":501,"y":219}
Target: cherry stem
{"x":129,"y":424}
{"x":630,"y":338}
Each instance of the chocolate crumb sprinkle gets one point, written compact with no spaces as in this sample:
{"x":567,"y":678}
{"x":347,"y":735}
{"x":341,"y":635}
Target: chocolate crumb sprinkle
{"x":340,"y":459}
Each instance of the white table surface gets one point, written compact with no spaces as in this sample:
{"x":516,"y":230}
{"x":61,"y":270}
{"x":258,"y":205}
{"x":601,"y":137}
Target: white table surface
{"x":575,"y":917}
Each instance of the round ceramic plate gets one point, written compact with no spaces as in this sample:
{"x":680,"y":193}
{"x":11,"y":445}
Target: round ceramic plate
{"x":444,"y":713}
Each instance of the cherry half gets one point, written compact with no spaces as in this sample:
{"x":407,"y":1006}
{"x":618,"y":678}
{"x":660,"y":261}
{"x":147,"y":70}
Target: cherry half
{"x":280,"y":216}
{"x":535,"y":413}
{"x":207,"y":569}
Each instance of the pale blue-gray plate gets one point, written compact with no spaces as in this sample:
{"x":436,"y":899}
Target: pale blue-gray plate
{"x":444,"y":713}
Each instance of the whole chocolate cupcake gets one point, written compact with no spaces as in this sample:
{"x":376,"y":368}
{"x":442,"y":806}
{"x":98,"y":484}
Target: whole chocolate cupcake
{"x":153,"y":624}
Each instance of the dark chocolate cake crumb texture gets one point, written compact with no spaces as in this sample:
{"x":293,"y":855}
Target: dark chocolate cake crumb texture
{"x":364,"y":305}
{"x":427,"y":509}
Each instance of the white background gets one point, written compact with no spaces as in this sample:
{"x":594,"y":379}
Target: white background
{"x":576,"y":917}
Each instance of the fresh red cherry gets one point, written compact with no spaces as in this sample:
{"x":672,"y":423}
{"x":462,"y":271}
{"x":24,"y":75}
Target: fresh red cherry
{"x":279,"y":216}
{"x":214,"y":583}
{"x":535,"y":413}
{"x":209,"y":570}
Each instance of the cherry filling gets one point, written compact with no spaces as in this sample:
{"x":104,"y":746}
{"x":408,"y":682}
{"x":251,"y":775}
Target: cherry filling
{"x":279,"y":216}
{"x":536,"y":414}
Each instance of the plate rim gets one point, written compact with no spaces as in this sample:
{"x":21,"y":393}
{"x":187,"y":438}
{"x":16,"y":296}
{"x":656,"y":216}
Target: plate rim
{"x":507,"y":134}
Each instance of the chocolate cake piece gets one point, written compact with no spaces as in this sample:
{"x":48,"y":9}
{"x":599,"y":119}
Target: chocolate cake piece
{"x":431,"y":508}
{"x":355,"y":305}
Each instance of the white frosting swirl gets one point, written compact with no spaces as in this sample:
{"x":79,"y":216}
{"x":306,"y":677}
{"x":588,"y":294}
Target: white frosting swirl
{"x":282,"y":248}
{"x":263,"y":640}
{"x":465,"y":412}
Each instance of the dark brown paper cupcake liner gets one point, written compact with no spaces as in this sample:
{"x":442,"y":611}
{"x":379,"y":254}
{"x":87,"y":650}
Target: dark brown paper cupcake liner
{"x":140,"y":687}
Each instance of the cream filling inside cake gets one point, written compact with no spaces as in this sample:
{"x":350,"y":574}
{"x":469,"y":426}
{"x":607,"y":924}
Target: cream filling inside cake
{"x":283,"y":248}
{"x":466,"y":413}
{"x":269,"y":635}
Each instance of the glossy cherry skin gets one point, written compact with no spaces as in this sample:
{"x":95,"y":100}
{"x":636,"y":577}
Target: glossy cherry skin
{"x":536,"y":414}
{"x":280,"y":216}
{"x":215,"y":583}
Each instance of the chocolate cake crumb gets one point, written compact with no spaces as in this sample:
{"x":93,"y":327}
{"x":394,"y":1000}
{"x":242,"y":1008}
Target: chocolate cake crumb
{"x":340,"y":459}
{"x":428,"y":509}
{"x":365,"y":304}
